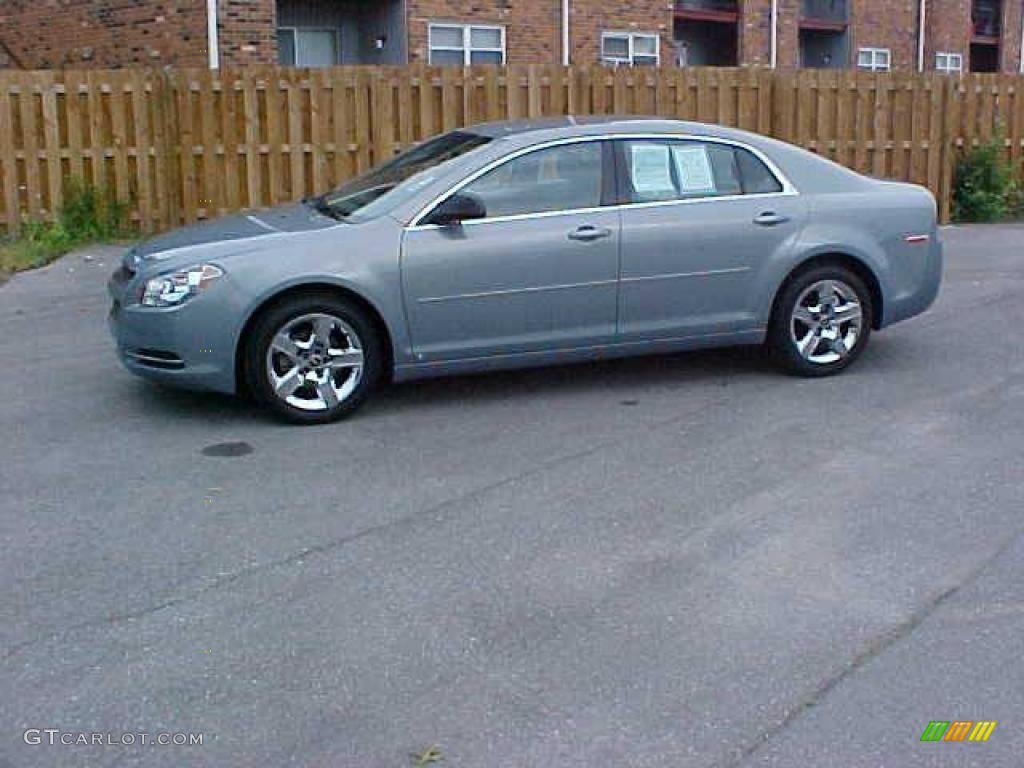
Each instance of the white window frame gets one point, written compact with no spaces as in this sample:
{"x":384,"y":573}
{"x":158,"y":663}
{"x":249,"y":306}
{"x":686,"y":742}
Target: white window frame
{"x":944,"y":62}
{"x":467,"y":39}
{"x":631,"y":37}
{"x":880,"y":59}
{"x":295,"y":37}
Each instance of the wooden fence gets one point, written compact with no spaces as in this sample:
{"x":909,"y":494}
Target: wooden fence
{"x":184,"y":145}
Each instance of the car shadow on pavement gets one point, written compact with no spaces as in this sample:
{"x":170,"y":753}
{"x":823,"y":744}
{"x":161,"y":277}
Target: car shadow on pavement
{"x":624,"y":376}
{"x":181,"y":404}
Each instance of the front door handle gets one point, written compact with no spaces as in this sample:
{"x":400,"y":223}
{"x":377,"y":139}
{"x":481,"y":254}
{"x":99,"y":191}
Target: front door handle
{"x":588,"y":232}
{"x":770,"y":219}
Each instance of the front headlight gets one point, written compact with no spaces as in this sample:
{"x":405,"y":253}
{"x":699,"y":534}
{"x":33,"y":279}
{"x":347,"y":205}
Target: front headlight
{"x":177,"y":287}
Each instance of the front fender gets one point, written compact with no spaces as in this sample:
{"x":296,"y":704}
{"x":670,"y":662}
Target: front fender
{"x":396,"y":330}
{"x":362,"y":261}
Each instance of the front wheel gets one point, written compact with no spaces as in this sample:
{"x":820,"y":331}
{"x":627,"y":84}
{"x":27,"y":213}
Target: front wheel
{"x":313,"y":358}
{"x":821,"y":321}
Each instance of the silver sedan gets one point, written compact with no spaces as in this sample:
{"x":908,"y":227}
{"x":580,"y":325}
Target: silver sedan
{"x":529,"y":243}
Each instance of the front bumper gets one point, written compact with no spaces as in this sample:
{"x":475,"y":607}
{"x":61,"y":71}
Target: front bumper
{"x":191,"y":346}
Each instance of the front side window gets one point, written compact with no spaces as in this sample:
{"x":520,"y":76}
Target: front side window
{"x":657,"y":170}
{"x":465,"y":44}
{"x":873,"y":59}
{"x":559,"y":178}
{"x":949,"y":62}
{"x":299,"y":47}
{"x":629,"y":48}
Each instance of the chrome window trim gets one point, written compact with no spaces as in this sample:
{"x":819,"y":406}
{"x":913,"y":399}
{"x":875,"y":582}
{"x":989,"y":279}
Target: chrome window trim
{"x":787,"y":186}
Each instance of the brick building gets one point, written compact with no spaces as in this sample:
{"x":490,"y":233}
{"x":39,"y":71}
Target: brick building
{"x":953,"y":35}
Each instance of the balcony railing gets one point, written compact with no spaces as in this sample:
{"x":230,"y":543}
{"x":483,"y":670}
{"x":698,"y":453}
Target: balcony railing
{"x":708,"y":6}
{"x":833,"y":11}
{"x":985,"y":19}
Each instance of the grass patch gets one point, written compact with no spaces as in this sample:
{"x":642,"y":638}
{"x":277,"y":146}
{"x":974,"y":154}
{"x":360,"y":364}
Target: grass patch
{"x":38,"y":245}
{"x":87,"y":216}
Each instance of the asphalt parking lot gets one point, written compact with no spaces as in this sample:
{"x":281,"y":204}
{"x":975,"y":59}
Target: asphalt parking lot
{"x":680,"y":561}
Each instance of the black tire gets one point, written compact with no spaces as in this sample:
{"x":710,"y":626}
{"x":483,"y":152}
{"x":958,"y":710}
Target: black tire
{"x":782,"y":346}
{"x":279,"y":317}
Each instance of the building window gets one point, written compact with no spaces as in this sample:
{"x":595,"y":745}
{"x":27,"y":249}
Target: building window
{"x":949,"y":62}
{"x":874,"y":59}
{"x":464,"y":44}
{"x":302,"y":47}
{"x":629,"y":48}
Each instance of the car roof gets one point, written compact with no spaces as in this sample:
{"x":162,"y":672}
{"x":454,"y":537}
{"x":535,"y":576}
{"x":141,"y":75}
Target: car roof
{"x":570,"y":125}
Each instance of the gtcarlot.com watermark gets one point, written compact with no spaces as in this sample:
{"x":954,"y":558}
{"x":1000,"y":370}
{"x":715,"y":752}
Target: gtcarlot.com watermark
{"x":54,"y":736}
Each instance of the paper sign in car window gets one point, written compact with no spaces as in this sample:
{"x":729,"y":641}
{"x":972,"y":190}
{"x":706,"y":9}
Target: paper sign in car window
{"x":650,"y":170}
{"x":694,"y":169}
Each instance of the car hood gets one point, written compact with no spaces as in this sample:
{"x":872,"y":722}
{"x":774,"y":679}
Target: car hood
{"x":228,"y":234}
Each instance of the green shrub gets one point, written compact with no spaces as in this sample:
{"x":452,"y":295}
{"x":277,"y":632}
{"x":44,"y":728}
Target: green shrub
{"x":90,"y":214}
{"x":51,"y":236}
{"x":983,"y":186}
{"x":1015,"y":200}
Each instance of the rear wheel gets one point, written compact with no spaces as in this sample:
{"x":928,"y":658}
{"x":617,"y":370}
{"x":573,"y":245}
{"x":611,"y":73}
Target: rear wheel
{"x":313,"y":358}
{"x":821,"y":322}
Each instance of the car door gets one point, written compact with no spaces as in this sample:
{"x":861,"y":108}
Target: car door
{"x":538,"y":271}
{"x":700,"y":217}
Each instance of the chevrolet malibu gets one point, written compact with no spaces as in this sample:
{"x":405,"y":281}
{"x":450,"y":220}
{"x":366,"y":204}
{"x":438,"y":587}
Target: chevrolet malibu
{"x":527,"y":243}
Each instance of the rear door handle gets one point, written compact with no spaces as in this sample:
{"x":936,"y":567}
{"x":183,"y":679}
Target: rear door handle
{"x":588,"y":232}
{"x":770,"y":219}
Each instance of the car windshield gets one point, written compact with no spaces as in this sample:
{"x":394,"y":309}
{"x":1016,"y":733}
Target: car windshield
{"x":396,"y":180}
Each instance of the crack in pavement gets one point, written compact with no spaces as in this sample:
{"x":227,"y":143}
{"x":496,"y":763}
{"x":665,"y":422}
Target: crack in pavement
{"x":873,"y":650}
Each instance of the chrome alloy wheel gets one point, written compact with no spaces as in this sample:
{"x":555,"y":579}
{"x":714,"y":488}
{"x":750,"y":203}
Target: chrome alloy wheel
{"x":315,"y":362}
{"x":826,"y":322}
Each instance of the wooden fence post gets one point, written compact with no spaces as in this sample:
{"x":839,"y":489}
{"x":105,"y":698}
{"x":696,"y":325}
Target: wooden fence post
{"x":167,"y":144}
{"x":8,"y":159}
{"x":950,"y":139}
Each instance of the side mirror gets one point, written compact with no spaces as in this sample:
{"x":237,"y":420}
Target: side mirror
{"x":456,"y":209}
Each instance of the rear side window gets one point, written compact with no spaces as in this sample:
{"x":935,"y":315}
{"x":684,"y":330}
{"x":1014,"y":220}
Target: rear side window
{"x":726,"y":169}
{"x":757,"y":179}
{"x":658,"y":170}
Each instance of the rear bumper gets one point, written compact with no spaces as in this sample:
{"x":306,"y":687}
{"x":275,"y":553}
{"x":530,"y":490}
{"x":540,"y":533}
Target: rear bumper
{"x":919,"y":287}
{"x":190,"y":346}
